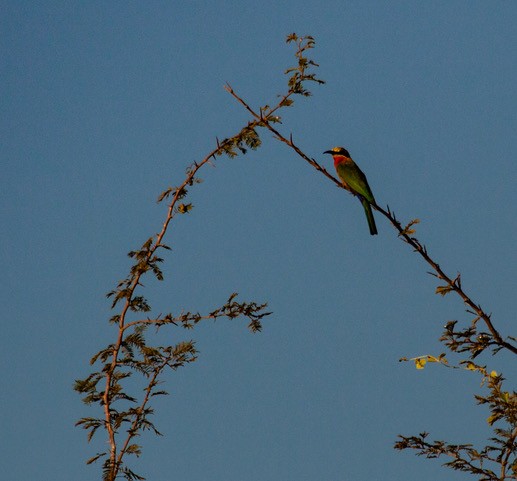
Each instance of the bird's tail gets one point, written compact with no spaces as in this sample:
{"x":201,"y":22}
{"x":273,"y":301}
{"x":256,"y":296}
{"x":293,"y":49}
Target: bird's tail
{"x":369,"y":216}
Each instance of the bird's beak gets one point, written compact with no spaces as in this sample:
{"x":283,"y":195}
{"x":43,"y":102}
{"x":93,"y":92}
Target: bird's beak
{"x":328,"y":152}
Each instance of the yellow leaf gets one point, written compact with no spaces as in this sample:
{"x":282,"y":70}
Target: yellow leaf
{"x":420,"y":363}
{"x":184,"y":208}
{"x":492,"y":419}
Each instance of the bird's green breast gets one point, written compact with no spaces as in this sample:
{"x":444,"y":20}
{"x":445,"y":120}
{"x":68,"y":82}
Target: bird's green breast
{"x":352,"y":175}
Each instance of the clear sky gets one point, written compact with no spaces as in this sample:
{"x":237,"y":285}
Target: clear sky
{"x":104,"y":105}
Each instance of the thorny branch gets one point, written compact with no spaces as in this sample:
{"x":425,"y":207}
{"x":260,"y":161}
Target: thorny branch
{"x":403,"y":232}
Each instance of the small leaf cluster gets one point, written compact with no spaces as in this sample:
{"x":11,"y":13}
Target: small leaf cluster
{"x":247,"y":138}
{"x":145,"y":260}
{"x":231,"y":309}
{"x":464,"y":457}
{"x":408,"y":229}
{"x":301,"y":73}
{"x":180,"y":192}
{"x":298,"y":76}
{"x":469,"y":339}
{"x":496,"y":461}
{"x":125,"y":410}
{"x":421,"y":361}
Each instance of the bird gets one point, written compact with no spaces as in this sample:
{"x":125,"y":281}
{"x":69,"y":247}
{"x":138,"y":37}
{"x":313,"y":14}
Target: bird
{"x":354,"y":179}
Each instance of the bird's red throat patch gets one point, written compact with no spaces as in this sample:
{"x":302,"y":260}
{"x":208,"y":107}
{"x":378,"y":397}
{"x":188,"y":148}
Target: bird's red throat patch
{"x":339,"y":159}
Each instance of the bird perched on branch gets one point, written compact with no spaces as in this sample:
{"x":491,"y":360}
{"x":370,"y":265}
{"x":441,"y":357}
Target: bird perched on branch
{"x":354,"y":179}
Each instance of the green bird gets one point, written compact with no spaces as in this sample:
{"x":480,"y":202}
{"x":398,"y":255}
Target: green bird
{"x":353,"y":178}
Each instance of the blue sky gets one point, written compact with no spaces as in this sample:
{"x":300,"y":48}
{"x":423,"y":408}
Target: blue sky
{"x":104,"y":105}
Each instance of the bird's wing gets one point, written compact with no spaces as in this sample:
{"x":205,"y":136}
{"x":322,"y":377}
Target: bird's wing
{"x":352,"y":175}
